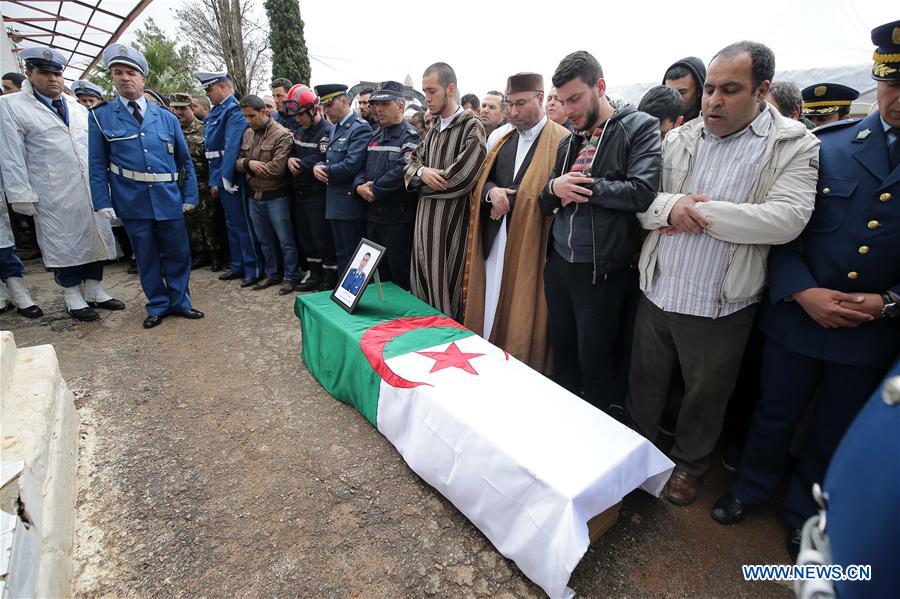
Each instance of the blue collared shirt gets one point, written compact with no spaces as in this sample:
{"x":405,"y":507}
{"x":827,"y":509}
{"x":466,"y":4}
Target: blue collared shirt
{"x":889,"y":133}
{"x":142,"y":102}
{"x":49,"y":104}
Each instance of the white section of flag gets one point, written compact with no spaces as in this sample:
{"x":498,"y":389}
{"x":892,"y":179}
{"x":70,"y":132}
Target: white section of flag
{"x":526,"y":461}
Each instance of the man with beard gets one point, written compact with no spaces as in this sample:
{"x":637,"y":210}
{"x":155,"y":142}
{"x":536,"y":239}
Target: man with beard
{"x":44,"y":159}
{"x":686,"y":77}
{"x":392,"y":208}
{"x":365,"y":110}
{"x":603,"y":176}
{"x":443,"y":170}
{"x":201,"y":106}
{"x":504,"y":285}
{"x":280,"y":89}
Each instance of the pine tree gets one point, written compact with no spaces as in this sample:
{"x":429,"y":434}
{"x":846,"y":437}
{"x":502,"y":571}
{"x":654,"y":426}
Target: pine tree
{"x":289,"y":56}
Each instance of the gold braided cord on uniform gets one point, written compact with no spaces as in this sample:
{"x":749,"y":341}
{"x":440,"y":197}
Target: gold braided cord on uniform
{"x":881,"y":69}
{"x":329,"y":97}
{"x":828,"y":103}
{"x":878,"y":57}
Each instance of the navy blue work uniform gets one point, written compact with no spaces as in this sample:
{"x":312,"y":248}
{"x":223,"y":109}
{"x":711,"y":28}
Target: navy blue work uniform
{"x":392,"y":213}
{"x":850,"y":245}
{"x":134,"y":168}
{"x":346,"y":211}
{"x":313,"y":231}
{"x":223,"y":128}
{"x":862,"y":493}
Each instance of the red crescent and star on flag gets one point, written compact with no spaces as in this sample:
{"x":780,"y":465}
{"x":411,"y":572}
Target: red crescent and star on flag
{"x":451,"y":357}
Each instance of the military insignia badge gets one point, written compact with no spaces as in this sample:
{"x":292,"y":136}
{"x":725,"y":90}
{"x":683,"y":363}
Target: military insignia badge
{"x":820,"y":91}
{"x":323,"y":145}
{"x":863,"y":134}
{"x":48,"y":55}
{"x":895,"y":35}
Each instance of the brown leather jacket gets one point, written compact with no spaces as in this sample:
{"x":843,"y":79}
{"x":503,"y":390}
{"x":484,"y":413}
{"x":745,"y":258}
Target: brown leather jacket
{"x":271,"y":145}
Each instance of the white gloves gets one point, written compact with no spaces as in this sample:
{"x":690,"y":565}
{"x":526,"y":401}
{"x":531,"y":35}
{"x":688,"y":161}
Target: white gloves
{"x":25,"y":208}
{"x":107,"y":213}
{"x":229,"y":186}
{"x":187,"y":207}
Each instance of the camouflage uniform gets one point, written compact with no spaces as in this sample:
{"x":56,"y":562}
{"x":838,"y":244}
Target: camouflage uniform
{"x":204,"y":223}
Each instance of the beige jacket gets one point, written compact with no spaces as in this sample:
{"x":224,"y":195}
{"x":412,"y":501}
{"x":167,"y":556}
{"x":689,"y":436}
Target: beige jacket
{"x":780,"y":204}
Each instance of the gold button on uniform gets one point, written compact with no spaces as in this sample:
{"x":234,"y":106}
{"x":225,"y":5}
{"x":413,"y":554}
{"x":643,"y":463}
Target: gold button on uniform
{"x":852,"y":274}
{"x":863,"y":249}
{"x":885,"y":197}
{"x":826,"y":190}
{"x":873,"y":224}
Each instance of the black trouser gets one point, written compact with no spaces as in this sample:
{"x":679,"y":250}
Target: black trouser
{"x":588,"y":324}
{"x":709,"y":352}
{"x":313,"y":231}
{"x":397,"y":239}
{"x":347,"y":235}
{"x":746,"y":391}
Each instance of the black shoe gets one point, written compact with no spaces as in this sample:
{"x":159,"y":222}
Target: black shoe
{"x":792,"y":542}
{"x":190,"y":313}
{"x":329,"y":280}
{"x":215,"y":263}
{"x":728,"y":510}
{"x":132,"y":269}
{"x":152,"y":321}
{"x":267,"y":282}
{"x":199,"y":262}
{"x":32,"y":311}
{"x":84,"y":314}
{"x":230,"y":276}
{"x":249,"y":281}
{"x":110,"y":304}
{"x":311,"y":283}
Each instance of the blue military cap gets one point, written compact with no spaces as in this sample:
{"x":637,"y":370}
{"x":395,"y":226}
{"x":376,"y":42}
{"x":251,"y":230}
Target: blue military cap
{"x":206,"y":79}
{"x":887,"y":55}
{"x":122,"y":54}
{"x":826,"y":98}
{"x":329,"y":91}
{"x":82,"y":87}
{"x":44,"y":58}
{"x":387,"y":91}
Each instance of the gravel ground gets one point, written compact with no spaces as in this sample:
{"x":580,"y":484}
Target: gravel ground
{"x":212,"y":464}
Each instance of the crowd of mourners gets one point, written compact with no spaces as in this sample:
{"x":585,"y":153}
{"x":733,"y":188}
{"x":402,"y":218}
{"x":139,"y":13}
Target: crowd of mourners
{"x":717,"y":266}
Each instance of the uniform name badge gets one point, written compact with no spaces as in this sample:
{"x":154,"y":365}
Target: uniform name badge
{"x":170,"y":147}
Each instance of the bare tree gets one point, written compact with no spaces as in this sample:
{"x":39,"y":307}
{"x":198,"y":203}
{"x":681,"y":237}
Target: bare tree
{"x":224,"y":35}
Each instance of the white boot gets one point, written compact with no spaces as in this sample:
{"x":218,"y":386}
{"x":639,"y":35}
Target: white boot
{"x":19,"y":292}
{"x":22,"y":299}
{"x":74,"y":299}
{"x":94,"y":292}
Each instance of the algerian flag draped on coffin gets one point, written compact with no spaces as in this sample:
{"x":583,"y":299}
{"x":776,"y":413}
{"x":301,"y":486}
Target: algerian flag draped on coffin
{"x":525,"y":460}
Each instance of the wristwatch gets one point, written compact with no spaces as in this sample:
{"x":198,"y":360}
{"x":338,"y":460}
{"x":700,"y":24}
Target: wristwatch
{"x":419,"y":172}
{"x":891,"y":308}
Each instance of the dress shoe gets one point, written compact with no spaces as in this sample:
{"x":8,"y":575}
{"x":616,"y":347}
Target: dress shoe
{"x":199,"y":262}
{"x":152,"y":321}
{"x":230,"y":276}
{"x":792,"y":542}
{"x":728,"y":509}
{"x":84,"y":314}
{"x":132,"y":269}
{"x":190,"y":313}
{"x":110,"y":304}
{"x":5,"y":307}
{"x":329,"y":280}
{"x":287,"y":287}
{"x":682,"y":487}
{"x":250,"y":281}
{"x":267,"y":282}
{"x":311,"y":283}
{"x":32,"y":311}
{"x":215,"y":264}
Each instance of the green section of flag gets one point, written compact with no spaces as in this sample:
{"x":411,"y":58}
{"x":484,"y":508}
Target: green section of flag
{"x":331,"y":341}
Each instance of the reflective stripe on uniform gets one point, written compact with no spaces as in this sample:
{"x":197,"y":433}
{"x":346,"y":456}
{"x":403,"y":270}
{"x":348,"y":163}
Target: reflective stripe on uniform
{"x":385,"y":149}
{"x":306,"y":144}
{"x":215,"y":154}
{"x":143,"y":177}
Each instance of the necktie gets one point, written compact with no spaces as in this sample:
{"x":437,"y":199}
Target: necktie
{"x":894,"y":149}
{"x":136,"y":111}
{"x":58,"y":106}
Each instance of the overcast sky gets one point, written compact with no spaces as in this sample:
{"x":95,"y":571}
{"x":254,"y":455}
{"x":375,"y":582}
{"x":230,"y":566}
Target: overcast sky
{"x":485,"y":42}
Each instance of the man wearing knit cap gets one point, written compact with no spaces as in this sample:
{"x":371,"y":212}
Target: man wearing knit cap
{"x":687,"y":77}
{"x":504,"y":285}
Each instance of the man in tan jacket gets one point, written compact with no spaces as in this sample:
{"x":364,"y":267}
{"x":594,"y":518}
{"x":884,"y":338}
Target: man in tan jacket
{"x":265,"y":149}
{"x":735,"y":182}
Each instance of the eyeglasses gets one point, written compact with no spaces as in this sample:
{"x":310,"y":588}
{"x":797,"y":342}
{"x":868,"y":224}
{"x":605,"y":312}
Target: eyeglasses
{"x":520,"y":104}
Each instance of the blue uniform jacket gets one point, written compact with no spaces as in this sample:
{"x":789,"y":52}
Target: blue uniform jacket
{"x":155,"y":146}
{"x":863,"y":505}
{"x":344,"y":158}
{"x":223,"y":128}
{"x":310,"y":146}
{"x":850,"y":244}
{"x":386,"y":158}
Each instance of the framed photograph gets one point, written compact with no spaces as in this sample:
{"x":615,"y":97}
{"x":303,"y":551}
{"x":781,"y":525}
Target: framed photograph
{"x":353,"y":281}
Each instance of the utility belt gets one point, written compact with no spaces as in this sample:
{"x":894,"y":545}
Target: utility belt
{"x":143,"y":177}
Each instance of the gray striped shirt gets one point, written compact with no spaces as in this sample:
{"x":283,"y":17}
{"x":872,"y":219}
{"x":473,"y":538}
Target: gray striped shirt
{"x":691,"y":268}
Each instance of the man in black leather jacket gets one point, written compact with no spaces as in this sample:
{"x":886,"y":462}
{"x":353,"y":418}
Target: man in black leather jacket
{"x":605,"y":173}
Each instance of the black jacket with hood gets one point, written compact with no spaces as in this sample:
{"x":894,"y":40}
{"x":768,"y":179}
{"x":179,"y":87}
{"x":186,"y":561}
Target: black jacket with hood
{"x":696,"y":67}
